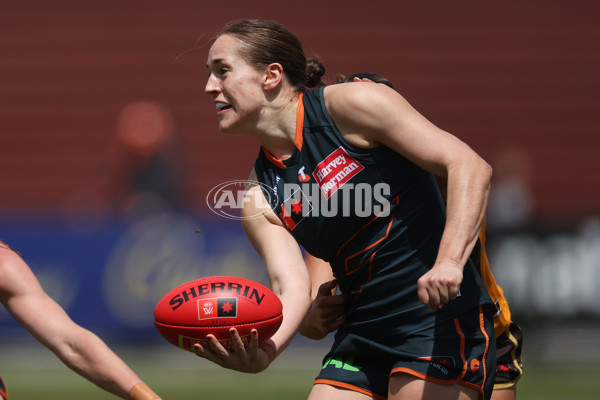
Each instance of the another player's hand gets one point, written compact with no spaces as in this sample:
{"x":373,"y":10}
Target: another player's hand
{"x":357,"y":79}
{"x":250,"y":359}
{"x":440,"y":284}
{"x":326,"y":313}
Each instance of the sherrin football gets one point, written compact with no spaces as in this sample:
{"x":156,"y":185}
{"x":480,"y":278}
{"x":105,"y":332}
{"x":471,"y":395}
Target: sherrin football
{"x":213,"y":305}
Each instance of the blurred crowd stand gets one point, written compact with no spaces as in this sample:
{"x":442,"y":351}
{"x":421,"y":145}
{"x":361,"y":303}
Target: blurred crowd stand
{"x":143,"y":171}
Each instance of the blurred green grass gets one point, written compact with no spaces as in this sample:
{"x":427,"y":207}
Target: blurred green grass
{"x":31,"y":372}
{"x":184,"y":377}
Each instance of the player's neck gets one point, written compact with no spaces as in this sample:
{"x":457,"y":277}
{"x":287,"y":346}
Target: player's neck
{"x":279,"y":131}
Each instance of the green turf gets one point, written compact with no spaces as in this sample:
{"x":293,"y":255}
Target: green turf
{"x":184,"y":377}
{"x":572,"y":381}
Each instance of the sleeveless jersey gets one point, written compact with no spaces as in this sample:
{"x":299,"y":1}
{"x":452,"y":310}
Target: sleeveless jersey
{"x":376,"y":217}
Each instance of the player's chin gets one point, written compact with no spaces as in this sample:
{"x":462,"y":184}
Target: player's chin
{"x":231,"y":126}
{"x":227,"y":126}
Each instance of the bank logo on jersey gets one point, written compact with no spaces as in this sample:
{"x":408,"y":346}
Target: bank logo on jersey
{"x":302,"y":177}
{"x":335,"y":170}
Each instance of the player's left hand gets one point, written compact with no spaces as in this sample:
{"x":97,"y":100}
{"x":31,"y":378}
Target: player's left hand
{"x":251,"y":359}
{"x":440,"y":284}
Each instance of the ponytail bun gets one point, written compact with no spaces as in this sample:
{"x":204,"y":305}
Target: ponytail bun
{"x":314,"y":73}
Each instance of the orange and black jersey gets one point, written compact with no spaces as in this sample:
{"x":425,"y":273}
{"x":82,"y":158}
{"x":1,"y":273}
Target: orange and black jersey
{"x":376,"y":217}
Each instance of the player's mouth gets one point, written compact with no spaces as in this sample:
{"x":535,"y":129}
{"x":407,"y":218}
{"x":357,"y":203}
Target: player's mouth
{"x":222,"y":107}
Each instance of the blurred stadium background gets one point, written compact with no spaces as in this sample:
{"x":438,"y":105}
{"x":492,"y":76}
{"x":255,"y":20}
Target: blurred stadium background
{"x":109,"y":147}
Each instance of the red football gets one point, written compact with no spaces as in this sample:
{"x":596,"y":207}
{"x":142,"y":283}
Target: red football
{"x":213,"y":305}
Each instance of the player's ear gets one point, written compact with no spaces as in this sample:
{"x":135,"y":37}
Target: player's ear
{"x":273,"y":76}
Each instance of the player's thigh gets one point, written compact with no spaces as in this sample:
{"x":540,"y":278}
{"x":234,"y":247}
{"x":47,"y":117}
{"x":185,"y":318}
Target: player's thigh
{"x":327,"y":392}
{"x":407,"y":387}
{"x":505,"y":394}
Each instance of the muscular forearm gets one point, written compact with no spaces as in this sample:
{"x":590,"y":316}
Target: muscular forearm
{"x":466,"y":202}
{"x":90,"y":357}
{"x":295,"y":306}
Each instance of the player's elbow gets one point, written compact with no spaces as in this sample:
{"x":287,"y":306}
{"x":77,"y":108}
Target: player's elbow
{"x":486,"y":172}
{"x":478,"y":170}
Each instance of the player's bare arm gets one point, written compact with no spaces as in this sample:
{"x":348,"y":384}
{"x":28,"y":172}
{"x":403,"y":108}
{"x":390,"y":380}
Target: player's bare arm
{"x":289,"y":280}
{"x":326,"y":313}
{"x":77,"y":347}
{"x":285,"y":267}
{"x":384,"y":117}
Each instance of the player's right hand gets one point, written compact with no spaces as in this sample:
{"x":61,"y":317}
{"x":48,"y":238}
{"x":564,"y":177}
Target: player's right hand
{"x":326,"y":313}
{"x":440,"y":284}
{"x":250,"y":359}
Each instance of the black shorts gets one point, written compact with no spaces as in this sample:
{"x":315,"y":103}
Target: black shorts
{"x":509,"y":366}
{"x":461,"y":351}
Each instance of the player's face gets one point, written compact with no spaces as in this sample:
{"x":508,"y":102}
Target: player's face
{"x":234,"y":86}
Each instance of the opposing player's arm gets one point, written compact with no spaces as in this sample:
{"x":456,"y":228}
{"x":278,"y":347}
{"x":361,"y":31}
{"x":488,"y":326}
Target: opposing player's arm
{"x":326,"y":313}
{"x":77,"y":347}
{"x":376,"y":114}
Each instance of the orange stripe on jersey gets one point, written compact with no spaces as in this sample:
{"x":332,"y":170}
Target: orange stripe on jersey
{"x":394,"y":200}
{"x":272,"y":158}
{"x":298,"y":140}
{"x":299,"y":122}
{"x":502,"y":320}
{"x":358,"y":253}
{"x":347,"y":386}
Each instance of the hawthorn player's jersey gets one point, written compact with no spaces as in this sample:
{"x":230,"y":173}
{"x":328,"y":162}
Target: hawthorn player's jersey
{"x":373,"y":215}
{"x":502,"y":318}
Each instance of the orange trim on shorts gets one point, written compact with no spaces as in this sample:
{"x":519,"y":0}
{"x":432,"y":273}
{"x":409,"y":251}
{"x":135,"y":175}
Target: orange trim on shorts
{"x":433,"y":380}
{"x":459,"y":380}
{"x":348,"y":386}
{"x":487,"y":347}
{"x":298,"y":138}
{"x":462,"y":346}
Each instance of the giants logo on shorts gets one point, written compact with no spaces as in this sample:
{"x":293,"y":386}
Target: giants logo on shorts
{"x":335,"y":170}
{"x":223,"y":307}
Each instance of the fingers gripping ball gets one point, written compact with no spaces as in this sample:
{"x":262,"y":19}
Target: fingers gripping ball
{"x":213,"y":305}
